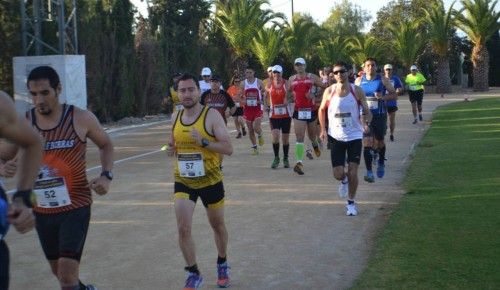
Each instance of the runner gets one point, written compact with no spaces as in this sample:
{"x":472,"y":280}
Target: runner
{"x":340,"y":108}
{"x":267,"y":98}
{"x":252,"y":98}
{"x":375,"y":88}
{"x":172,"y":97}
{"x":279,"y":119}
{"x":217,"y":98}
{"x":206,"y":73}
{"x":198,"y":137}
{"x":304,"y":115}
{"x":392,"y":105}
{"x":63,"y":192}
{"x":17,"y":213}
{"x":234,"y":91}
{"x":415,"y":82}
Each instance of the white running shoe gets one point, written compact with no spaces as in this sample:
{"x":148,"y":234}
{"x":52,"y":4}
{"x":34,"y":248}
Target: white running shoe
{"x":344,"y":188}
{"x":352,"y":209}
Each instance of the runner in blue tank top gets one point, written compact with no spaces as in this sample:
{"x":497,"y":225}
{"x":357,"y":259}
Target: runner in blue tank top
{"x":392,"y":105}
{"x":378,"y":90}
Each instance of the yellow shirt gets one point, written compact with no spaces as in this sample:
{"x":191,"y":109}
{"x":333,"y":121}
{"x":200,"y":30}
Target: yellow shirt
{"x":189,"y":150}
{"x":415,"y":82}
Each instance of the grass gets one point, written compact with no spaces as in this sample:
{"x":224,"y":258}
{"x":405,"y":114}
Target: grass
{"x":445,"y":233}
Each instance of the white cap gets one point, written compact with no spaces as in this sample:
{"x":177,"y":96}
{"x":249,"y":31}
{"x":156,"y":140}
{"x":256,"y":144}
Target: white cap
{"x":277,"y":68}
{"x":388,"y":66}
{"x":299,"y":60}
{"x":413,"y":67}
{"x":269,"y":69}
{"x":206,"y":71}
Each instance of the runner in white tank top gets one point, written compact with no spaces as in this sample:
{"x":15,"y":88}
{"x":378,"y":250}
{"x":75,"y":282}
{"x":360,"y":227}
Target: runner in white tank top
{"x":344,"y":123}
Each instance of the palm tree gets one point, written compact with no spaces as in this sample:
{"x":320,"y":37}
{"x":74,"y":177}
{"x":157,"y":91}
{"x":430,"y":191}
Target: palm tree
{"x":240,"y":21}
{"x":333,"y":50}
{"x":407,"y":42}
{"x":439,"y":33}
{"x":479,"y":20}
{"x":363,"y":47}
{"x":301,"y":36}
{"x":266,"y":46}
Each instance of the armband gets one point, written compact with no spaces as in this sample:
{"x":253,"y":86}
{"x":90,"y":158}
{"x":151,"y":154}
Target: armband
{"x":27,"y":196}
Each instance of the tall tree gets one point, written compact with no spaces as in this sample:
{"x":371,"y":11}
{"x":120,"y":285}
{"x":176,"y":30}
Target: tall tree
{"x":346,"y":19}
{"x":407,"y":42}
{"x":335,"y":49}
{"x":10,"y":44}
{"x":365,"y":46}
{"x":479,"y":20}
{"x":267,"y":45}
{"x":439,"y":34}
{"x":301,"y":36}
{"x":240,"y":21}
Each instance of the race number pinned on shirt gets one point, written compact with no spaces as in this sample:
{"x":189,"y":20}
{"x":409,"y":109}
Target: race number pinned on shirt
{"x":372,"y":103}
{"x":414,"y":88}
{"x":279,"y":109}
{"x":179,"y":107}
{"x":237,"y":104}
{"x":252,"y":101}
{"x":51,"y":192}
{"x":191,"y":165}
{"x":343,"y":120}
{"x":305,"y":114}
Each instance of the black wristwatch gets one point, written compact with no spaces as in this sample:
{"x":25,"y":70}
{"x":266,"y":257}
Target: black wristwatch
{"x":204,"y":142}
{"x":107,"y":174}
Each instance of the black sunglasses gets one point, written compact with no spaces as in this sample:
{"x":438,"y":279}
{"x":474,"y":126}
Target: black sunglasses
{"x":339,"y":71}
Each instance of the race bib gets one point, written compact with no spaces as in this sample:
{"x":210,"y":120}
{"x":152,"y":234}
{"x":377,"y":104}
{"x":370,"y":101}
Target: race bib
{"x":251,"y":102}
{"x":237,"y":104}
{"x":191,"y":165}
{"x":279,"y":109}
{"x":51,"y":192}
{"x":414,"y":88}
{"x":343,"y":120}
{"x":372,"y":103}
{"x":179,"y":107}
{"x":305,"y":114}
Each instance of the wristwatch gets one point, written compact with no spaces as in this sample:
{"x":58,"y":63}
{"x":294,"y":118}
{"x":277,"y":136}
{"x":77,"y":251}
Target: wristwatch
{"x":107,"y":174}
{"x":204,"y":142}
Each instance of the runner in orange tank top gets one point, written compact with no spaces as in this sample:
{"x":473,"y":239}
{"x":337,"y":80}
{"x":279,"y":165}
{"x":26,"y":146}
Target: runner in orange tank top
{"x":63,"y":192}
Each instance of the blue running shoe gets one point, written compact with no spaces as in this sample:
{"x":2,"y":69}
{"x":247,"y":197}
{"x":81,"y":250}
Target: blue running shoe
{"x":380,"y":170}
{"x":369,"y":176}
{"x":223,"y":275}
{"x":193,"y":281}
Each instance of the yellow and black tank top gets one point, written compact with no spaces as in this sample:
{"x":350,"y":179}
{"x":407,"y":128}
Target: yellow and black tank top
{"x":185,"y":144}
{"x":64,"y":159}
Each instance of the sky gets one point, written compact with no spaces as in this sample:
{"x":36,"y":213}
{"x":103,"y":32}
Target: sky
{"x":318,"y":9}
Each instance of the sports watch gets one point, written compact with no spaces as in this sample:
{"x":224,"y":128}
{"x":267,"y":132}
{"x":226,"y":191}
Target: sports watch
{"x":108,"y":174}
{"x":204,"y":142}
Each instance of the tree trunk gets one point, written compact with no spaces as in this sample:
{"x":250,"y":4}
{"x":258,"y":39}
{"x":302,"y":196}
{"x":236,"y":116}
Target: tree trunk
{"x":443,"y":82}
{"x":480,"y":60}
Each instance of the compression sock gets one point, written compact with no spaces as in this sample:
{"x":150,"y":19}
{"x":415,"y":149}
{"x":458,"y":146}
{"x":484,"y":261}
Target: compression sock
{"x":368,"y":157}
{"x":381,"y":155}
{"x":299,"y":152}
{"x":276,"y":149}
{"x":286,"y":147}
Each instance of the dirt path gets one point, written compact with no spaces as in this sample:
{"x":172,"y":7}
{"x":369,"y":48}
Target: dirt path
{"x":286,"y":231}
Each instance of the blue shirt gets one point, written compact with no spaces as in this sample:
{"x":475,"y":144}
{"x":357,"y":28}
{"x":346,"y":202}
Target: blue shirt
{"x":396,"y":83}
{"x":370,"y":87}
{"x":4,"y":205}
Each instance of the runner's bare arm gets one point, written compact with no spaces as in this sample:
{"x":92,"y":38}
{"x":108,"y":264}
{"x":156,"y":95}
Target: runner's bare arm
{"x":322,"y":113}
{"x":215,"y":124}
{"x":366,"y":115}
{"x":390,"y":89}
{"x":171,"y":150}
{"x":319,"y":83}
{"x":8,"y":163}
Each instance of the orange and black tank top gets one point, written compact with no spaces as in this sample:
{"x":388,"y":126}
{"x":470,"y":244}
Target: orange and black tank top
{"x":62,"y":182}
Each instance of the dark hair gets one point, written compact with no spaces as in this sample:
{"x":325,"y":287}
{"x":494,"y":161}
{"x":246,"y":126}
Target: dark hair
{"x":188,"y":76}
{"x":44,"y":73}
{"x":235,"y":77}
{"x":341,"y":63}
{"x":371,"y":59}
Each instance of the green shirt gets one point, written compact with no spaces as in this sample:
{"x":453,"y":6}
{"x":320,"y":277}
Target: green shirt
{"x":415,"y":82}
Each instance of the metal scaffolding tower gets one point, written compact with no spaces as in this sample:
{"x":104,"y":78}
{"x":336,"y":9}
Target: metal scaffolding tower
{"x":45,"y":11}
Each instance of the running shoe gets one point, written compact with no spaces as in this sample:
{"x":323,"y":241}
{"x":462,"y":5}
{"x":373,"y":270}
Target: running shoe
{"x":255,"y":151}
{"x":420,"y":117}
{"x":223,"y":275}
{"x":352,"y":209}
{"x":344,"y":188}
{"x":309,"y":154}
{"x":239,"y":135}
{"x":243,"y":131}
{"x":286,"y":163}
{"x":369,"y":176}
{"x":299,"y":168}
{"x":91,"y":287}
{"x":276,"y":162}
{"x":317,"y":152}
{"x":391,"y":137}
{"x":261,"y":140}
{"x":380,"y":170}
{"x":415,"y":121}
{"x":193,"y":281}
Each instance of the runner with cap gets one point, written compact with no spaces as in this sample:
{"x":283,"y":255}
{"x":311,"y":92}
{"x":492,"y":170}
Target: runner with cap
{"x":265,"y":82}
{"x":279,"y":116}
{"x":415,"y":82}
{"x":305,"y":116}
{"x":252,"y":98}
{"x":206,"y":73}
{"x":392,"y":105}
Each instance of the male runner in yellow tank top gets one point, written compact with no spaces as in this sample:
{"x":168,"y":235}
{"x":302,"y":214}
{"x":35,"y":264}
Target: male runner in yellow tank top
{"x":198,"y":136}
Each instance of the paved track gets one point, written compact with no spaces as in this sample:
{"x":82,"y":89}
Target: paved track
{"x":285,"y":231}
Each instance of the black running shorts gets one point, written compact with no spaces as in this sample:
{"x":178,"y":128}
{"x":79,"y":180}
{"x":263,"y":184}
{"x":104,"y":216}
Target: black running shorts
{"x":62,"y":235}
{"x":416,"y":96}
{"x":314,"y":116}
{"x":392,"y":109}
{"x":238,"y":112}
{"x":211,"y":196}
{"x":282,"y":124}
{"x":4,"y":265}
{"x":339,"y":149}
{"x":378,"y":127}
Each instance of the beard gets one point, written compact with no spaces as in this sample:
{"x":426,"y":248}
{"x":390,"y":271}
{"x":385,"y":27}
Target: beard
{"x":44,"y":111}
